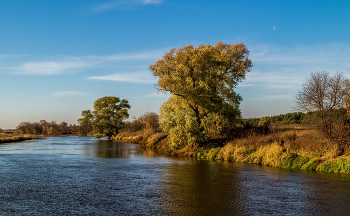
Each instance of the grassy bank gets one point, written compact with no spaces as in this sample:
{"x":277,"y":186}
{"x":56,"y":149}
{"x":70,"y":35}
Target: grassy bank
{"x":290,"y":147}
{"x":8,"y":138}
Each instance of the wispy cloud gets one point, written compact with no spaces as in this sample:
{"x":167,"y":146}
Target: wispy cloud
{"x":68,"y":94}
{"x":64,"y":64}
{"x":49,"y":67}
{"x":122,"y":4}
{"x":5,"y":55}
{"x":128,"y":56}
{"x":134,"y":77}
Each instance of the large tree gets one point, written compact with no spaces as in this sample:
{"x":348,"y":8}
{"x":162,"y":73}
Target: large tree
{"x":323,"y":94}
{"x":204,"y":77}
{"x":108,"y":115}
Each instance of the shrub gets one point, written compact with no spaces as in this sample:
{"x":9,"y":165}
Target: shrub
{"x":299,"y":162}
{"x":289,"y":162}
{"x":310,"y":165}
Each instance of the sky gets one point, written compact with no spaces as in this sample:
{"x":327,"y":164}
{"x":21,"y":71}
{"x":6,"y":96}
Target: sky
{"x":57,"y":57}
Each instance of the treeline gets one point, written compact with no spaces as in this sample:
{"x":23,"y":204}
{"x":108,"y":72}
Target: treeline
{"x":49,"y":128}
{"x":149,"y":120}
{"x":283,"y":119}
{"x":310,"y":118}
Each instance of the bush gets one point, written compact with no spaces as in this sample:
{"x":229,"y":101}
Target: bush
{"x":310,"y":165}
{"x":299,"y":162}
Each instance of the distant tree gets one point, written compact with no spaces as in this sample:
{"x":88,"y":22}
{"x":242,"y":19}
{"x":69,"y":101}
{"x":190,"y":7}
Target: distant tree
{"x":323,"y":94}
{"x":108,"y":115}
{"x":64,"y":128}
{"x":204,"y":78}
{"x":85,"y":122}
{"x":87,"y":117}
{"x":1,"y":130}
{"x":25,"y":128}
{"x":265,"y":121}
{"x":150,"y":118}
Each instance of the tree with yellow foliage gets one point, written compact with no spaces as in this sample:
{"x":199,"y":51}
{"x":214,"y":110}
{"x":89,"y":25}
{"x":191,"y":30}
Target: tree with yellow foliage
{"x":204,"y":79}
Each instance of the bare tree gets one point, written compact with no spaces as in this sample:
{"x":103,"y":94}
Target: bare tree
{"x":323,"y":94}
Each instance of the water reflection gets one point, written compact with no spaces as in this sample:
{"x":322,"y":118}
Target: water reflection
{"x":203,"y":188}
{"x":110,"y":149}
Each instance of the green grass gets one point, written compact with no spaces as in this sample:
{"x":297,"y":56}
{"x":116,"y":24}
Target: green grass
{"x":339,"y":165}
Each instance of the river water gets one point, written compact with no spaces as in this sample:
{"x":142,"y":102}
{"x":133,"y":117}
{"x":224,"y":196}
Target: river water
{"x":87,"y":176}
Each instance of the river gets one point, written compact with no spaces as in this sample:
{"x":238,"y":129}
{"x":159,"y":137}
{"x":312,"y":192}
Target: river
{"x":87,"y":176}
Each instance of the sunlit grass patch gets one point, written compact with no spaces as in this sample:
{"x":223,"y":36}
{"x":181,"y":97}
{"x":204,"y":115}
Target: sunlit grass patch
{"x":7,"y":138}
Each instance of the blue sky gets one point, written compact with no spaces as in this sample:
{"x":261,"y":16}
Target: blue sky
{"x":57,"y":57}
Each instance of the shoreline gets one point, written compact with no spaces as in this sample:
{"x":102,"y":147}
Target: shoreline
{"x":15,"y":138}
{"x":270,"y":154}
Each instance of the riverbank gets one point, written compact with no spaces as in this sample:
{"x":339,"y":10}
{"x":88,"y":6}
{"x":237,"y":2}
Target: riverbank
{"x":290,"y":148}
{"x":8,"y":138}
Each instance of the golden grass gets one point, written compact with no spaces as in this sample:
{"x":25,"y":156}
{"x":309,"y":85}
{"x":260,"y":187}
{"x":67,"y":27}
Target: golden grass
{"x":7,"y":138}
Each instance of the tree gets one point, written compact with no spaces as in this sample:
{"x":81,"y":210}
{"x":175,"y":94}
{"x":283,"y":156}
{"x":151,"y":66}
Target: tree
{"x":85,"y":122}
{"x":64,"y":128}
{"x":204,"y":78}
{"x":150,"y":118}
{"x":108,"y":115}
{"x":323,"y":94}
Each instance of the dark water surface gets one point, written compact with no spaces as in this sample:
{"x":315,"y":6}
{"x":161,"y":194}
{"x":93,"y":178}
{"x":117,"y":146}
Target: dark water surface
{"x":86,"y":176}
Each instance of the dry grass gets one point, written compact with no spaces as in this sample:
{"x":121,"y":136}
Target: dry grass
{"x":7,"y":138}
{"x":293,"y":139}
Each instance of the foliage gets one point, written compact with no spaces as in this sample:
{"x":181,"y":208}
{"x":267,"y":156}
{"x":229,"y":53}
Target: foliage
{"x":108,"y":115}
{"x":265,"y":121}
{"x":149,"y":120}
{"x":288,"y":163}
{"x":299,"y":162}
{"x":283,"y":119}
{"x":339,"y":165}
{"x":204,"y":78}
{"x":179,"y":121}
{"x":311,"y":165}
{"x":0,"y":130}
{"x":85,"y":123}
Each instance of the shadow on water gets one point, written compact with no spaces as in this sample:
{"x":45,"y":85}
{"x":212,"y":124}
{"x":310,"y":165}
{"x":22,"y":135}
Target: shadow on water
{"x":111,"y":149}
